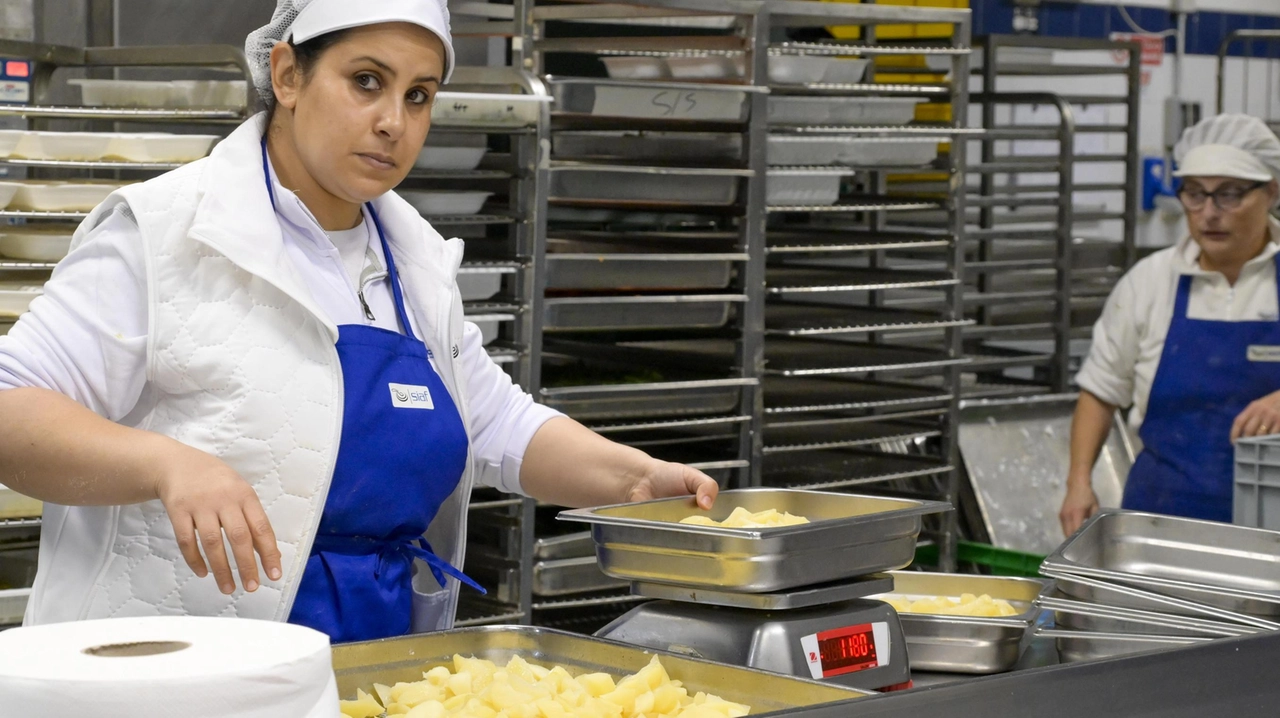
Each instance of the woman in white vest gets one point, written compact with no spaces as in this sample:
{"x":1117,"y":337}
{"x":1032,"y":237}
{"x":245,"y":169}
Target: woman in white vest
{"x":256,"y":366}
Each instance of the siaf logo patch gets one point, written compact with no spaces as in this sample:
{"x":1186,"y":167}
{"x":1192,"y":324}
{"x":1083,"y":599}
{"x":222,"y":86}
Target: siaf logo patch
{"x":410,"y":396}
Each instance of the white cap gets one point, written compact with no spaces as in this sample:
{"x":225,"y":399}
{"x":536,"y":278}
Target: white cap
{"x":302,"y":20}
{"x":1237,"y":146}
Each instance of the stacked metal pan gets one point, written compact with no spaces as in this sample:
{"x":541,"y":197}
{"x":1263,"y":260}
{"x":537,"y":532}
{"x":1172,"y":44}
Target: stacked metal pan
{"x":1128,"y":582}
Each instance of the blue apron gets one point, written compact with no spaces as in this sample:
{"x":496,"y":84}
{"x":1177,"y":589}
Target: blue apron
{"x":1205,"y":379}
{"x":402,"y":452}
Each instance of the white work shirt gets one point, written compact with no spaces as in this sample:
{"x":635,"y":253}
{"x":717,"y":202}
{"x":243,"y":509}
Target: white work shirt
{"x":1129,"y":337}
{"x":86,"y":336}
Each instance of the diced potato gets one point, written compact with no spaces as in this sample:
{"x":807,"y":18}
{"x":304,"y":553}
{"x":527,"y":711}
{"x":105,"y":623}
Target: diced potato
{"x":364,"y":706}
{"x":476,"y":688}
{"x":741,"y":518}
{"x":966,"y":605}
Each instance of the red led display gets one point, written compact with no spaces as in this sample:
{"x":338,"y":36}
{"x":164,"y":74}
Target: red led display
{"x":845,"y":650}
{"x":17,"y":68}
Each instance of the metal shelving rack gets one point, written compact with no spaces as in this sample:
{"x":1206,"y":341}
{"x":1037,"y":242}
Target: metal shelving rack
{"x":671,"y":359}
{"x":1040,"y":274}
{"x":1269,"y":98}
{"x":1029,"y":313}
{"x":863,"y":324}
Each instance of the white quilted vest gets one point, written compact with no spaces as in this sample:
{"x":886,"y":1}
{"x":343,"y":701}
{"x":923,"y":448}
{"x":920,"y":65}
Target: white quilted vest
{"x":243,"y":366}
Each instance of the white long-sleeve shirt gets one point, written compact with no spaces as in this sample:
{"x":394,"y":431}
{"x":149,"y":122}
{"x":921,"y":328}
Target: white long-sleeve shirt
{"x":86,"y":336}
{"x":1129,"y":337}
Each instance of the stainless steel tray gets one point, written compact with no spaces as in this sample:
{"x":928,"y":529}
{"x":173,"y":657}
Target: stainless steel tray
{"x":796,"y":280}
{"x":1095,"y":591}
{"x":804,"y":597}
{"x":1089,"y":646}
{"x":815,"y":240}
{"x":682,"y":147}
{"x":1221,"y":565}
{"x":574,"y":545}
{"x":1082,"y":616}
{"x":561,"y":577}
{"x":849,"y":536}
{"x":811,"y":357}
{"x":671,"y":101}
{"x":624,"y":401}
{"x":788,"y":395}
{"x":579,"y":264}
{"x":690,"y":311}
{"x":664,"y":185}
{"x":965,"y":644}
{"x":360,"y":665}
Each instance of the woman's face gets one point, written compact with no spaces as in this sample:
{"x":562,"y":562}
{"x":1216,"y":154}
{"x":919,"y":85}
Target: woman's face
{"x":362,"y":113}
{"x":1232,"y":231}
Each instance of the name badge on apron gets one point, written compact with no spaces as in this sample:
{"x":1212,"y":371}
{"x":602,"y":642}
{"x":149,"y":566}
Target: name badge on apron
{"x":1263,"y":352}
{"x":410,"y":396}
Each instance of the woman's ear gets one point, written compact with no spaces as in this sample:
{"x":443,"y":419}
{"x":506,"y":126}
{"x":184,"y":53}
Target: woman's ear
{"x":285,"y":78}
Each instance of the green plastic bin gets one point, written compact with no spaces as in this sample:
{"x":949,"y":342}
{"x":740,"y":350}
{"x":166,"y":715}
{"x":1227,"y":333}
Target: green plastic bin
{"x":996,"y":561}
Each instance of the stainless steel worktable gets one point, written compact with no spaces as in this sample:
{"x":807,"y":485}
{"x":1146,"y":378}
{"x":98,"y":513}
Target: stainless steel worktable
{"x":1234,"y":677}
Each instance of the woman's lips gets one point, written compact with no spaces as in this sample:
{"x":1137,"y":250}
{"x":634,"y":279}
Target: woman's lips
{"x":377,"y":161}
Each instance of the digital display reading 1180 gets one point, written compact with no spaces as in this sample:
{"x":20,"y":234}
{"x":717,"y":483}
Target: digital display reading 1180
{"x":847,"y":650}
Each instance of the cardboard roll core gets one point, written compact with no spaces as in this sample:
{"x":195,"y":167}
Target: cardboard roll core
{"x":134,"y":650}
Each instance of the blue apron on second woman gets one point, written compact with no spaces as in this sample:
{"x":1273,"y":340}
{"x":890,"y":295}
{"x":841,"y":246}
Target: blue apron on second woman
{"x":1208,"y":374}
{"x":402,"y":454}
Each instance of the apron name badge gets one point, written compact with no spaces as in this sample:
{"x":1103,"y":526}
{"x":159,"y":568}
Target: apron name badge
{"x":1264,"y":352}
{"x":410,"y":396}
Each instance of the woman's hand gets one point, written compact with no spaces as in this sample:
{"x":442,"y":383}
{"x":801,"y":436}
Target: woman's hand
{"x":206,"y":499}
{"x":663,"y":479}
{"x":1260,"y":418}
{"x":1081,"y":503}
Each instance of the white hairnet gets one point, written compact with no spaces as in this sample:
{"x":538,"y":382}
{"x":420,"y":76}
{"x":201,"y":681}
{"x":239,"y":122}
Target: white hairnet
{"x":302,"y":20}
{"x":1240,"y":146}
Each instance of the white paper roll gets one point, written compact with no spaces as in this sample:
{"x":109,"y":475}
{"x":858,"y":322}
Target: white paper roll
{"x":167,"y":666}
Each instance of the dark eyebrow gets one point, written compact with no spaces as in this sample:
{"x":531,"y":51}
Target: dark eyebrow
{"x":387,"y":69}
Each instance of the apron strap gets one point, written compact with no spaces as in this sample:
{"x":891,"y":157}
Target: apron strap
{"x":266,"y":175}
{"x":1183,"y":299}
{"x":407,"y":548}
{"x":392,"y":275}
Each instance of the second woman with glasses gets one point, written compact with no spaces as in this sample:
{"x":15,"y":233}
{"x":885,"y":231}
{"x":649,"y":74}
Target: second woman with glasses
{"x":1189,"y":340}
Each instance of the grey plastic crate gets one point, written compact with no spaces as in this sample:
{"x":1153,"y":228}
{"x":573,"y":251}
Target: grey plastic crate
{"x":1257,"y":483}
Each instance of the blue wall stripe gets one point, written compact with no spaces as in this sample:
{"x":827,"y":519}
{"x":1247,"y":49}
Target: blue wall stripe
{"x":1205,"y":30}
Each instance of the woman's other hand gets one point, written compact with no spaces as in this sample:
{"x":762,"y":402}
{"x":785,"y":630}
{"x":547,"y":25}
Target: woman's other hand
{"x":663,"y":479}
{"x":206,"y":499}
{"x":1260,"y":418}
{"x":1081,"y":503}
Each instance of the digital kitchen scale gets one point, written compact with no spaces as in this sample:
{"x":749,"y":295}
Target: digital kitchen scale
{"x":827,"y":632}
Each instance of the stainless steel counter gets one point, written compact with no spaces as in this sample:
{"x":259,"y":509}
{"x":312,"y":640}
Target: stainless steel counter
{"x":1229,"y":677}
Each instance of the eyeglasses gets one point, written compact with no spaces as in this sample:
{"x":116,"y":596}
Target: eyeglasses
{"x":1224,"y":198}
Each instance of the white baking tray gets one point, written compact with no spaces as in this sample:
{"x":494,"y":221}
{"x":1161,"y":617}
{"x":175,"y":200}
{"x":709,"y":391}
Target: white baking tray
{"x":162,"y":93}
{"x":631,"y":67}
{"x":446,"y":202}
{"x":65,"y":146}
{"x":704,"y":67}
{"x":816,"y":188}
{"x":434,"y":157}
{"x":843,"y":71}
{"x":802,"y":150}
{"x":61,"y":196}
{"x":7,"y":192}
{"x":797,"y":69}
{"x":15,"y":298}
{"x":159,"y":147}
{"x":478,"y":287}
{"x":35,"y":243}
{"x":843,"y":110}
{"x":888,"y":151}
{"x":9,"y":140}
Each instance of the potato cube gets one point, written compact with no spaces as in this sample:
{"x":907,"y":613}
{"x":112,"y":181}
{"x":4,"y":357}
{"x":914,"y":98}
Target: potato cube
{"x":364,"y":706}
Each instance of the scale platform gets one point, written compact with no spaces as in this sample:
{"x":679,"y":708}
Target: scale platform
{"x":826,"y":632}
